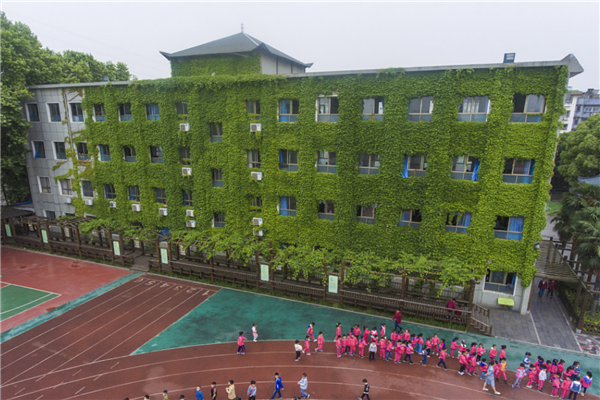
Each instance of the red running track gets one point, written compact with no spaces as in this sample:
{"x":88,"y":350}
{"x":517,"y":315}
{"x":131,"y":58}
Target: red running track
{"x":68,"y":277}
{"x":85,"y":354}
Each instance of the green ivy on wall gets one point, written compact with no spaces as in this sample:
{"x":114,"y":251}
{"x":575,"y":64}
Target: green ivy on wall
{"x":222,"y":99}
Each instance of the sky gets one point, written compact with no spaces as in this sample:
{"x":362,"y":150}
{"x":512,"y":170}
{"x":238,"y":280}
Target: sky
{"x":334,"y":36}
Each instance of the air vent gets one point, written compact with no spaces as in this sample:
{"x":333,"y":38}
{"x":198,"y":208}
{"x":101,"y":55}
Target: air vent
{"x":136,"y":207}
{"x":255,"y":127}
{"x":257,"y":221}
{"x":257,"y":175}
{"x":189,"y":213}
{"x":162,"y":211}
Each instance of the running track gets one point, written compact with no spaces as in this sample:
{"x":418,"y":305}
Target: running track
{"x":85,"y":354}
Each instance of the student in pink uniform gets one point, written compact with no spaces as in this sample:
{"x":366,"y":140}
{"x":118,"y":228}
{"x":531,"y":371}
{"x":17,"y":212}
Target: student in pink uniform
{"x":240,"y":342}
{"x":388,"y":350}
{"x":353,"y":344}
{"x":480,"y":351}
{"x":320,"y":342}
{"x":393,"y":336}
{"x":428,"y":345}
{"x":542,"y":378}
{"x":473,"y":364}
{"x":374,"y":337}
{"x":473,"y":350}
{"x":493,"y":353}
{"x":367,"y":333}
{"x":442,"y":345}
{"x":310,"y":331}
{"x":382,"y":330}
{"x":382,"y":347}
{"x":435,"y":344}
{"x":361,"y":348}
{"x":338,"y":346}
{"x":348,"y":344}
{"x":443,"y":355}
{"x":586,"y":382}
{"x":462,"y":359}
{"x":502,"y":351}
{"x":406,"y":336}
{"x":344,"y":344}
{"x":555,"y":385}
{"x":560,"y":368}
{"x":483,"y":367}
{"x":307,"y":345}
{"x":502,"y":370}
{"x":462,"y":346}
{"x":519,"y":373}
{"x":565,"y":386}
{"x":453,"y":347}
{"x":398,"y":353}
{"x":409,"y":350}
{"x":357,"y":331}
{"x":338,"y":331}
{"x":531,"y":377}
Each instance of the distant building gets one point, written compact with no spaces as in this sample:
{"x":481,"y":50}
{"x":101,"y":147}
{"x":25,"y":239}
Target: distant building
{"x":570,"y":105}
{"x":588,"y":104}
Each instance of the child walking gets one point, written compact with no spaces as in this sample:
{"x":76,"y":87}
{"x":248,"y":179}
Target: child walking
{"x":409,"y":350}
{"x":542,"y":378}
{"x":453,"y":347}
{"x":254,"y":332}
{"x":240,"y":342}
{"x":338,"y":331}
{"x":555,"y":386}
{"x":252,"y":391}
{"x":310,"y":331}
{"x":586,"y":382}
{"x":307,"y":345}
{"x":565,"y":386}
{"x":298,"y":349}
{"x":443,"y":355}
{"x":520,"y":373}
{"x":361,"y":348}
{"x":372,"y":351}
{"x":303,"y":386}
{"x":320,"y":343}
{"x":365,"y":390}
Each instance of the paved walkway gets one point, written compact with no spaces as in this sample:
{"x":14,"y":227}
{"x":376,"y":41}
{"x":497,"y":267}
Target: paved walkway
{"x":547,"y":324}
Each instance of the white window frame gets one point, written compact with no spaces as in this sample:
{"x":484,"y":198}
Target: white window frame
{"x":47,"y":211}
{"x":73,"y":115}
{"x":159,"y":159}
{"x":29,"y":116}
{"x":422,"y":168}
{"x":40,"y":184}
{"x":152,"y":117}
{"x":132,"y":148}
{"x":220,"y":222}
{"x":215,"y":127}
{"x":216,"y":174}
{"x":519,"y":178}
{"x":329,"y":168}
{"x":54,"y":150}
{"x":290,"y":115}
{"x":103,"y":109}
{"x":527,"y":114}
{"x":420,"y":114}
{"x":77,"y":150}
{"x":254,"y":105}
{"x":35,"y":150}
{"x":93,"y":196}
{"x":366,"y":219}
{"x":488,"y":109}
{"x":50,"y":115}
{"x":182,"y":117}
{"x":106,"y":192}
{"x":291,"y":167}
{"x":336,"y":117}
{"x":328,"y":216}
{"x":369,"y":168}
{"x":128,"y":117}
{"x":100,"y":155}
{"x":373,"y":116}
{"x":464,"y":171}
{"x":411,"y":222}
{"x":252,"y":164}
{"x":485,"y":282}
{"x":60,"y":188}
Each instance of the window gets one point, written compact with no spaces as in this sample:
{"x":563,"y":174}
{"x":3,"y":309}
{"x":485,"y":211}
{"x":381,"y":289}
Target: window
{"x":509,"y":228}
{"x":373,"y":109}
{"x":219,"y":220}
{"x":217,"y":178}
{"x":253,"y":157}
{"x":99,"y":113}
{"x":287,"y":206}
{"x":187,"y":198}
{"x":288,"y":160}
{"x":39,"y":151}
{"x":50,"y":214}
{"x":156,"y":154}
{"x":216,"y":132}
{"x":33,"y":113}
{"x":181,"y":109}
{"x":465,"y":168}
{"x":502,"y":282}
{"x":473,"y":109}
{"x":184,"y":156}
{"x":45,"y":185}
{"x":327,"y":109}
{"x":134,"y":193}
{"x":326,"y":210}
{"x":366,"y":215}
{"x":60,"y":150}
{"x":161,"y":195}
{"x":368,"y":164}
{"x":82,"y":151}
{"x":458,"y":225}
{"x":326,"y":161}
{"x":527,"y":108}
{"x":253,"y":107}
{"x":410,"y":218}
{"x":125,"y":112}
{"x":54,"y":112}
{"x":65,"y":187}
{"x":256,"y":204}
{"x":86,"y":189}
{"x":288,"y":110}
{"x":109,"y":191}
{"x":152,"y":112}
{"x":414,"y":166}
{"x":420,"y":109}
{"x":518,"y":171}
{"x":76,"y":112}
{"x":104,"y":152}
{"x":129,"y":153}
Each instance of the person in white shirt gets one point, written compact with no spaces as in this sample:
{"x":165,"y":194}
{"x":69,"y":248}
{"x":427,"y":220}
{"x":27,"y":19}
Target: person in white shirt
{"x":298,"y":350}
{"x":254,"y":332}
{"x":372,"y":351}
{"x":303,"y":386}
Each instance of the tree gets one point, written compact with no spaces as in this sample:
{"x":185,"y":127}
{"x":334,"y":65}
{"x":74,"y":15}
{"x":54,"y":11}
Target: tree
{"x":580,"y":150}
{"x":25,"y":62}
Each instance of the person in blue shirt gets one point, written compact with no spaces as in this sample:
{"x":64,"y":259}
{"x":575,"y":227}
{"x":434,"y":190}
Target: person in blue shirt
{"x":526,"y":360}
{"x":252,"y":391}
{"x":278,"y":386}
{"x":575,"y":388}
{"x":199,"y":394}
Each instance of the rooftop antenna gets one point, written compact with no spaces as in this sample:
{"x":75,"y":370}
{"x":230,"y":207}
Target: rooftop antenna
{"x":242,"y":28}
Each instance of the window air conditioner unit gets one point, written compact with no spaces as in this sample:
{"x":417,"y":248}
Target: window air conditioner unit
{"x":136,"y":207}
{"x":257,"y":175}
{"x":190,"y":224}
{"x":89,"y":202}
{"x":184,"y":127}
{"x":255,"y":127}
{"x":162,"y":211}
{"x":69,"y":200}
{"x":257,"y":221}
{"x":258,"y":233}
{"x":189,"y":213}
{"x":112,"y":204}
{"x":186,"y":171}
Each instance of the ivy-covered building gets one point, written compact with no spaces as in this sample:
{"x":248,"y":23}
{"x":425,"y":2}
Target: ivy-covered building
{"x":442,"y":161}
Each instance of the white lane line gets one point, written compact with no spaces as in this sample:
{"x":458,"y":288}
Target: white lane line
{"x":535,"y":329}
{"x":26,"y":304}
{"x":58,"y":385}
{"x":52,"y":341}
{"x":39,"y":397}
{"x":20,"y":391}
{"x":77,"y":392}
{"x":40,"y":378}
{"x":32,"y":288}
{"x":113,"y":366}
{"x":76,"y":373}
{"x":5,"y":352}
{"x":97,"y":377}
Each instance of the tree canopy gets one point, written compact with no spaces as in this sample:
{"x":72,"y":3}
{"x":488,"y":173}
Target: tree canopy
{"x":25,"y":62}
{"x":580,"y":150}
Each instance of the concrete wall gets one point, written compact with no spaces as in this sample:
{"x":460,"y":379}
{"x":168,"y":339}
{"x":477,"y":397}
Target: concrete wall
{"x":489,"y":298}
